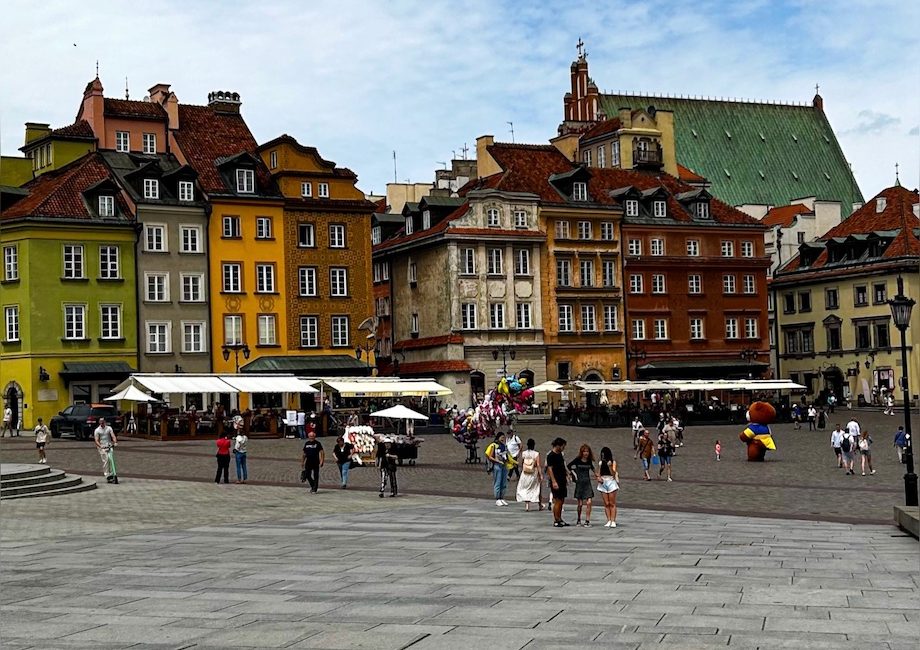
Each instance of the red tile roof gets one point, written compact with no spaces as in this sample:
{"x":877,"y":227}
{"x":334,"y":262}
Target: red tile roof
{"x":380,"y":206}
{"x":206,"y":135}
{"x":79,"y":129}
{"x":785,"y":215}
{"x":428,"y":342}
{"x":59,"y":193}
{"x":426,"y":367}
{"x":134,"y":109}
{"x":688,"y":175}
{"x":601,"y":128}
{"x":439,"y":227}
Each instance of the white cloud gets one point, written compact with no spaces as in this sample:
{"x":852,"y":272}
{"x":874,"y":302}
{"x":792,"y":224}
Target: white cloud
{"x":360,"y":79}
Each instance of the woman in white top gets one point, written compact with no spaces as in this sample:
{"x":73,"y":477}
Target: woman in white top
{"x":239,"y":451}
{"x":528,"y":487}
{"x":608,"y":485}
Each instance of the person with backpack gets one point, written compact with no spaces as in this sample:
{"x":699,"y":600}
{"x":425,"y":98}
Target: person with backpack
{"x":900,"y":443}
{"x":497,"y":455}
{"x":847,"y":447}
{"x":528,"y":487}
{"x":865,"y":451}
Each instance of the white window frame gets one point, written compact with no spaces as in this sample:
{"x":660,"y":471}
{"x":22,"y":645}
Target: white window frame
{"x":602,"y":156}
{"x":156,"y":345}
{"x":267,"y":329}
{"x":231,"y":277}
{"x":412,"y":273}
{"x":693,"y":248}
{"x":273,"y":159}
{"x":659,"y":285}
{"x":337,"y":235}
{"x":306,"y":282}
{"x":747,"y":248}
{"x":608,"y":231}
{"x":638,"y":329}
{"x":245,"y":181}
{"x":122,"y":141}
{"x":10,"y":263}
{"x":265,"y":278}
{"x":413,"y":323}
{"x":306,"y":189}
{"x":155,"y":238}
{"x":468,"y":261}
{"x":151,"y":188}
{"x":263,"y":227}
{"x":340,"y":334}
{"x":749,"y":284}
{"x":588,"y":318}
{"x":520,"y":219}
{"x":586,"y":157}
{"x":107,"y":323}
{"x":731,"y":328}
{"x":586,"y":274}
{"x":495,"y":261}
{"x":522,"y":262}
{"x":632,"y":208}
{"x":74,"y":322}
{"x":306,"y":235}
{"x":656,"y":247}
{"x":468,"y":316}
{"x":192,"y":287}
{"x":190,"y":237}
{"x":660,"y":208}
{"x":615,"y":153}
{"x":309,"y":331}
{"x":524,"y":316}
{"x":694,"y":284}
{"x":149,"y":143}
{"x":585,"y":231}
{"x":497,"y":315}
{"x":323,"y":190}
{"x":338,"y":282}
{"x":189,"y":329}
{"x":106,"y":205}
{"x":231,"y":228}
{"x":426,"y":219}
{"x":727,"y":248}
{"x":159,"y":282}
{"x":74,"y":269}
{"x":376,"y":235}
{"x":751,"y":328}
{"x":233,"y":329}
{"x":11,"y":323}
{"x":701,"y":209}
{"x":660,"y":329}
{"x":697,"y":329}
{"x":729,"y":285}
{"x":634,"y":247}
{"x":636,"y":283}
{"x":580,"y":190}
{"x":566,"y":318}
{"x":493,"y":218}
{"x":109,"y":263}
{"x":611,"y":318}
{"x":608,"y":273}
{"x":186,"y":191}
{"x":562,"y":230}
{"x":563,"y":272}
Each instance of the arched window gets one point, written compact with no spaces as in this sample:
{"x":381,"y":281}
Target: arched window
{"x":529,"y":376}
{"x":477,"y":385}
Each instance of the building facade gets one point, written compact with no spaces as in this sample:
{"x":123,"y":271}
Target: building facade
{"x":834,"y":328}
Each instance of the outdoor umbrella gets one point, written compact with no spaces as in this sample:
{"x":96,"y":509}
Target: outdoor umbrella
{"x":131,"y":394}
{"x":400,"y":412}
{"x":548,"y":387}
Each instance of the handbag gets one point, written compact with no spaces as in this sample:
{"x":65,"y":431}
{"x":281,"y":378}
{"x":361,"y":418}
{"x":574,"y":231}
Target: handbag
{"x":655,"y":460}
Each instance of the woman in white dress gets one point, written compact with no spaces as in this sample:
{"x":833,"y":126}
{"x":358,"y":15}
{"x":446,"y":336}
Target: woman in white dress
{"x":528,"y":487}
{"x":608,"y":486}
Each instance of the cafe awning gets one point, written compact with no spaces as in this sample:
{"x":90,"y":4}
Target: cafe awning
{"x":268,"y":384}
{"x":357,"y":387}
{"x":690,"y":384}
{"x":178,"y":383}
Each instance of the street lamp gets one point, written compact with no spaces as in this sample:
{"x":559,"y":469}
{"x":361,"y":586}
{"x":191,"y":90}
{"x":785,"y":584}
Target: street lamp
{"x":901,"y":307}
{"x":369,"y":345}
{"x":236,"y":348}
{"x":634,"y":351}
{"x":505,"y":351}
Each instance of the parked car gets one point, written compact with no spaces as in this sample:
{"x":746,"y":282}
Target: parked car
{"x":82,"y":419}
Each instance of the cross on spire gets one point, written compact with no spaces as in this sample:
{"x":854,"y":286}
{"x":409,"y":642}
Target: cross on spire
{"x":580,"y":46}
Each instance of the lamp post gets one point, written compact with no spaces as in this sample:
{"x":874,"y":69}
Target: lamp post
{"x":369,"y":345}
{"x":748,"y":354}
{"x":634,"y":351}
{"x":506,"y":351}
{"x":901,"y":307}
{"x":236,"y":348}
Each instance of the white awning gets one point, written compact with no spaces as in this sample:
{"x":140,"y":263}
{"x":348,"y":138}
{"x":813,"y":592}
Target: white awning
{"x":691,"y":384}
{"x":387,"y":388}
{"x":268,"y":384}
{"x":178,"y":383}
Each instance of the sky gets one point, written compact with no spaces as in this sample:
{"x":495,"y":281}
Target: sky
{"x":360,"y":80}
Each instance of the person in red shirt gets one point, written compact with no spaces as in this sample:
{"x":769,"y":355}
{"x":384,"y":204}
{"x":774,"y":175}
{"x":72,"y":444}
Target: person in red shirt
{"x":223,"y":457}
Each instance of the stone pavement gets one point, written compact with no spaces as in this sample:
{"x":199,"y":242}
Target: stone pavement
{"x":174,"y":564}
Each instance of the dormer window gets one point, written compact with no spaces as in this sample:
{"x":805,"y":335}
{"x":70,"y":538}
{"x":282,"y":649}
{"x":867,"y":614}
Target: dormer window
{"x":880,"y":204}
{"x":409,"y":228}
{"x":273,"y":159}
{"x":106,"y":206}
{"x":324,"y":190}
{"x":580,"y":191}
{"x":376,"y":235}
{"x":492,"y":218}
{"x":151,"y":188}
{"x":520,"y":219}
{"x":632,"y":208}
{"x":660,"y":208}
{"x":186,"y":191}
{"x":245,"y":181}
{"x":426,"y":219}
{"x":701,"y":209}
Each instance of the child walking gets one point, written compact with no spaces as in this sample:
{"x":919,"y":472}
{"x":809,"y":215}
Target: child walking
{"x":718,"y":450}
{"x":41,"y":439}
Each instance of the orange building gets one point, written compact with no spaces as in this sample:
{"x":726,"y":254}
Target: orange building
{"x":327,"y":263}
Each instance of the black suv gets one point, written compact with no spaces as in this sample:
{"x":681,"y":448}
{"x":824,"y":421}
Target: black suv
{"x":82,"y":419}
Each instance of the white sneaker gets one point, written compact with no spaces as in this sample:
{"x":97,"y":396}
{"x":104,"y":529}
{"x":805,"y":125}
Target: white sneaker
{"x":613,"y":524}
{"x":499,"y":502}
{"x":669,"y":479}
{"x":504,"y":503}
{"x":607,"y":525}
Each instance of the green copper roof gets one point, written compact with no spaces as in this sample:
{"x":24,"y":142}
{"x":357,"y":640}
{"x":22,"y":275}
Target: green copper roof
{"x":755,"y":153}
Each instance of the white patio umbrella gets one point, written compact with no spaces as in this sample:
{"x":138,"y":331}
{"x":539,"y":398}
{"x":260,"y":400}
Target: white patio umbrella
{"x":131,"y":394}
{"x":548,"y":387}
{"x":399,"y":412}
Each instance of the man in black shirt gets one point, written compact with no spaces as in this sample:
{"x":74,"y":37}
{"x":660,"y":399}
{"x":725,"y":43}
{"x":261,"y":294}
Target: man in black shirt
{"x":558,"y":479}
{"x":313,"y":458}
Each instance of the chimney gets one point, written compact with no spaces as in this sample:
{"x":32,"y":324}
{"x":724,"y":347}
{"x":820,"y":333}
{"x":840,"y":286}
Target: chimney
{"x":93,"y":110}
{"x":223,"y":101}
{"x":856,"y":206}
{"x":158,"y":93}
{"x":485,"y":163}
{"x":36,"y":130}
{"x":818,"y":102}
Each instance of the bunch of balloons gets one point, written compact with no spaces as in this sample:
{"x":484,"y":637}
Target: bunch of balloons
{"x":499,"y":408}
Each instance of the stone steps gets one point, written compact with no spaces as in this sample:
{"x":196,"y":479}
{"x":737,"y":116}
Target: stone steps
{"x":19,"y":481}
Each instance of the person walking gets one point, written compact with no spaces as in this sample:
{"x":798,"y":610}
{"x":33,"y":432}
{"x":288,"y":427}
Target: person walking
{"x":301,"y":425}
{"x":239,"y":452}
{"x":644,"y":451}
{"x":105,"y":441}
{"x":822,"y":419}
{"x":387,"y":461}
{"x":497,"y":454}
{"x":836,"y":441}
{"x":555,"y":470}
{"x":582,"y":467}
{"x":853,"y":429}
{"x":900,"y":443}
{"x":831,"y":402}
{"x":223,"y":457}
{"x":812,"y":417}
{"x":718,"y":450}
{"x":513,"y":443}
{"x":343,"y":452}
{"x":608,"y":484}
{"x":313,"y":459}
{"x":528,"y":487}
{"x":847,"y":447}
{"x":7,"y":422}
{"x":665,"y":453}
{"x":796,"y":416}
{"x":889,"y":405}
{"x":865,"y":451}
{"x":42,"y":435}
{"x":636,"y":431}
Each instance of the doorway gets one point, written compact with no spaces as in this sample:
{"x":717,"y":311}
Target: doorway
{"x":13,"y":398}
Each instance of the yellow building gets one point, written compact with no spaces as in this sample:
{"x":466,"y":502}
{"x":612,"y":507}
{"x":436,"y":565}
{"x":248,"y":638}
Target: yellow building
{"x":834,"y":327}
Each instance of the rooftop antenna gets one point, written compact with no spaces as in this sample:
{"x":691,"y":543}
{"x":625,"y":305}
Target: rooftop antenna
{"x":395,"y":180}
{"x":97,"y":68}
{"x":511,"y":124}
{"x":817,"y":87}
{"x":442,"y":163}
{"x":897,"y":178}
{"x":453,"y":154}
{"x":465,"y":150}
{"x":127,"y":95}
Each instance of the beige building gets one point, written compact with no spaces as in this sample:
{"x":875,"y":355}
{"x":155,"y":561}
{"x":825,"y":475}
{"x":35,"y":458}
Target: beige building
{"x":834,"y":330}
